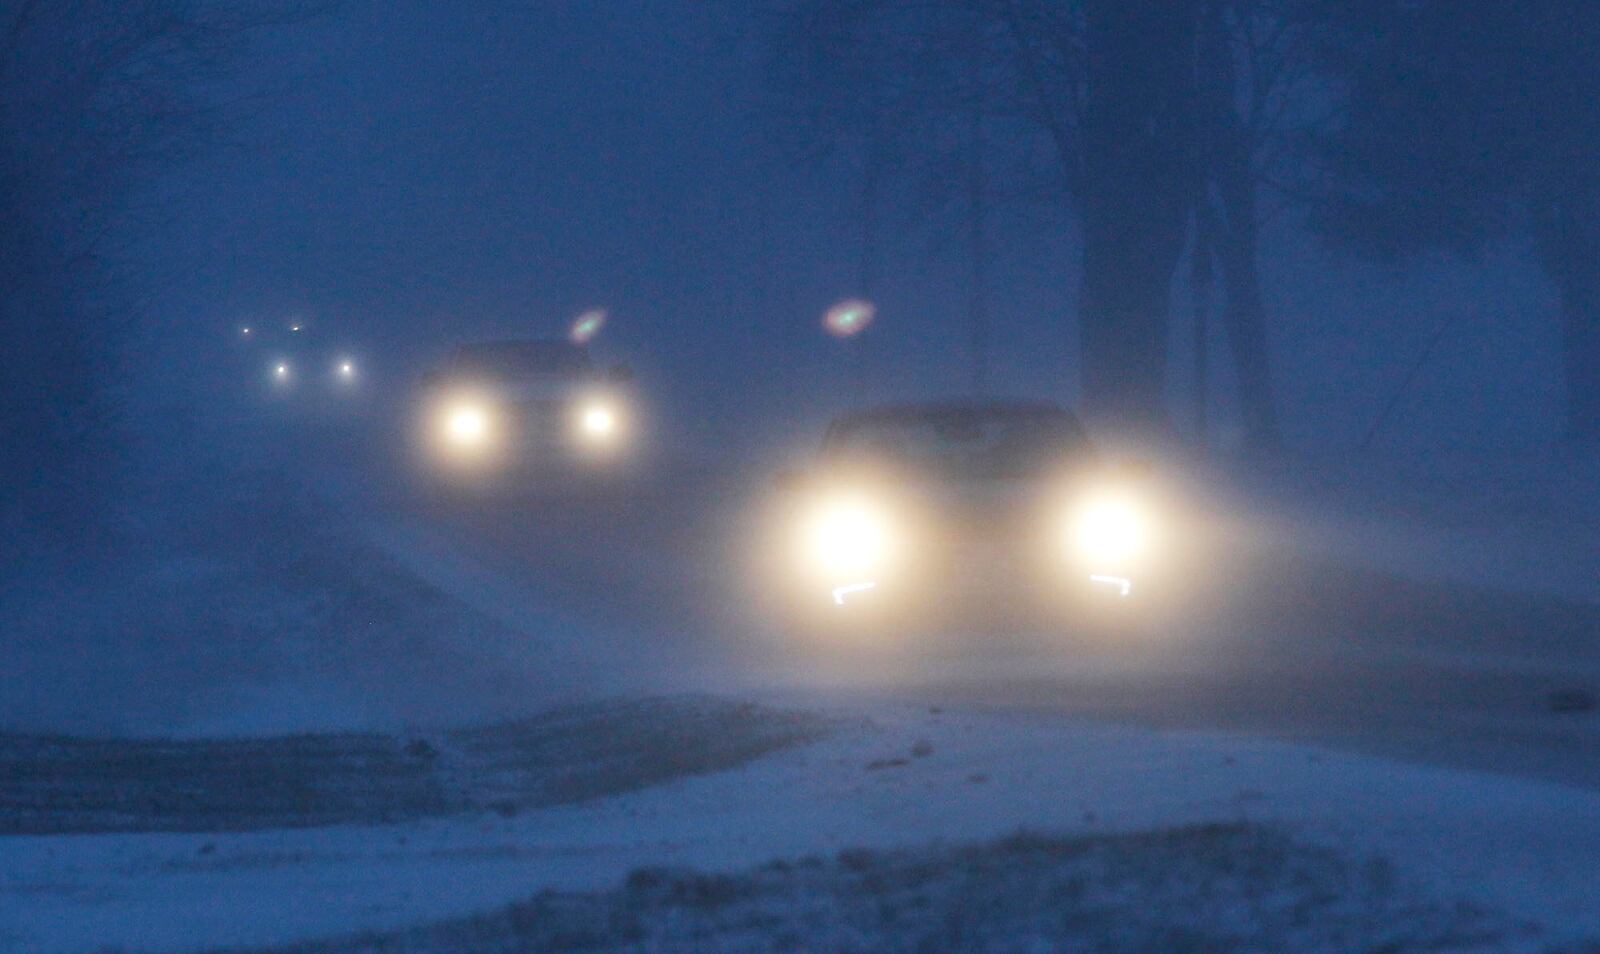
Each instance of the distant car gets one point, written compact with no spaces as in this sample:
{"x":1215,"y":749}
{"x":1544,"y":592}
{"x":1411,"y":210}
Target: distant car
{"x":295,"y":363}
{"x":498,"y":407}
{"x":934,"y":512}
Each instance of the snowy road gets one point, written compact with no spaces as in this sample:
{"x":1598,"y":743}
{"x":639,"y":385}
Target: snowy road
{"x":1336,"y":754}
{"x":1295,"y":646}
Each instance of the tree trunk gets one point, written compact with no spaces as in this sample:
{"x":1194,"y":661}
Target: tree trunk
{"x":1244,"y":314}
{"x":978,"y":248}
{"x":1201,"y":265}
{"x":1138,"y":178}
{"x":1569,"y":248}
{"x":1580,"y":326}
{"x":1226,"y":152}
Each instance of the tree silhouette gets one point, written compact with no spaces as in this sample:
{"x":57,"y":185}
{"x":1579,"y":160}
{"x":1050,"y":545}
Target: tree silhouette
{"x":1463,"y":130}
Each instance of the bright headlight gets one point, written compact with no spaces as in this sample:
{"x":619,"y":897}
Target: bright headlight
{"x":847,"y":537}
{"x":598,"y":421}
{"x":467,"y":424}
{"x":1110,"y":530}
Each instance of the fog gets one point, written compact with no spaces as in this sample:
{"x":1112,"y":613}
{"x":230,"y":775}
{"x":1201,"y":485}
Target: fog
{"x":405,"y":176}
{"x":433,"y":463}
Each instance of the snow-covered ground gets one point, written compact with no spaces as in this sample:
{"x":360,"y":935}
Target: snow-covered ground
{"x":1377,"y":849}
{"x":376,"y":625}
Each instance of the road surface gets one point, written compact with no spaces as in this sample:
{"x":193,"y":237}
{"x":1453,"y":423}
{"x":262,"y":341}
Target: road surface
{"x":1289,"y":646}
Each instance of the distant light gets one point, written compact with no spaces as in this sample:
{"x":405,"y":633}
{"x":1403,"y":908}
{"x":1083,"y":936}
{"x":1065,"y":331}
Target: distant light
{"x":840,"y":593}
{"x":849,"y":318}
{"x":587,"y":326}
{"x":347,"y":369}
{"x":280,"y":373}
{"x":294,"y":327}
{"x":1123,"y":585}
{"x":245,"y":330}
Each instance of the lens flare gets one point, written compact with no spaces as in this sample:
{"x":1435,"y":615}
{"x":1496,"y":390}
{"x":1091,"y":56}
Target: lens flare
{"x":849,"y":318}
{"x":1121,"y":584}
{"x":587,"y":326}
{"x":840,"y":593}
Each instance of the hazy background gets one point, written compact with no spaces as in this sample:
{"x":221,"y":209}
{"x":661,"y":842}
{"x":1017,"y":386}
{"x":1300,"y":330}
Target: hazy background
{"x":409,"y":175}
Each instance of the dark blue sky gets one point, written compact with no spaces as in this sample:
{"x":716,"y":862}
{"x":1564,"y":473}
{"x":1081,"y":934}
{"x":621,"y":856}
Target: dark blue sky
{"x":417,"y":173}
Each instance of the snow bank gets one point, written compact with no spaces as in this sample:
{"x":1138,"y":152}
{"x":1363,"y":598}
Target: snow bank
{"x":1527,"y":854}
{"x":243,"y":604}
{"x":1203,"y":887}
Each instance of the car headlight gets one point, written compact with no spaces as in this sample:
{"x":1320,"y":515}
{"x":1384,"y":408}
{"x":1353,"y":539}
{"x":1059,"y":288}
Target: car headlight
{"x":598,"y":421}
{"x":467,"y":425}
{"x":1110,"y":531}
{"x":847,"y":538}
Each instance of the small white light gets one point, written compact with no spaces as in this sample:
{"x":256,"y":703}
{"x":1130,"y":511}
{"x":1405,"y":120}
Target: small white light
{"x":1123,"y":585}
{"x":841,"y":592}
{"x":245,"y":330}
{"x":294,"y":327}
{"x":281,"y":370}
{"x":347,"y":370}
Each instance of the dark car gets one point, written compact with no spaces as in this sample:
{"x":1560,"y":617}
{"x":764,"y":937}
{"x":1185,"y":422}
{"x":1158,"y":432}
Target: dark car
{"x":972,"y":510}
{"x":528,"y":404}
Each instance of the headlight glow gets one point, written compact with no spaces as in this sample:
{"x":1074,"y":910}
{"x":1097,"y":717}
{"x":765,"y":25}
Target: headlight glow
{"x":467,"y":424}
{"x":599,"y":421}
{"x":847,"y":538}
{"x":1110,"y":530}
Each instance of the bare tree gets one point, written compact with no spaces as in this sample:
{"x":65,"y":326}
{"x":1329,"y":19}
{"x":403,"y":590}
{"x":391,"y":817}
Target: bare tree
{"x":1173,"y":123}
{"x":919,"y":97}
{"x":1260,"y":96}
{"x":97,"y":98}
{"x":1462,"y":131}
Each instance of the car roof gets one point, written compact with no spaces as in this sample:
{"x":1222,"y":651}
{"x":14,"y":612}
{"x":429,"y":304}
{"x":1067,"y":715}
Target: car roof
{"x":529,"y":345}
{"x":548,"y":353}
{"x":915,"y":410}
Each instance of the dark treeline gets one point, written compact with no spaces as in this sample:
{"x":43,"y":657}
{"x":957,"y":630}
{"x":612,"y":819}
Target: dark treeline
{"x":1391,"y":128}
{"x":98,"y":100}
{"x":1171,"y":131}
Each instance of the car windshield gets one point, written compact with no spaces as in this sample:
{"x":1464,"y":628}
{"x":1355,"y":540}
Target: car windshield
{"x":959,"y":441}
{"x":517,"y":360}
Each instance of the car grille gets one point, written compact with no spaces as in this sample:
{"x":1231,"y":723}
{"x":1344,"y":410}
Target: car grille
{"x":541,"y":421}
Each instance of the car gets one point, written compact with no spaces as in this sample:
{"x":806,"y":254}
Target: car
{"x":506,"y":407}
{"x":926,"y":514}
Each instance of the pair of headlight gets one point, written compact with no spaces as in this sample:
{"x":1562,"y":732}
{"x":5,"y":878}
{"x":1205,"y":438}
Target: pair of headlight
{"x":470,"y":424}
{"x":852,"y":537}
{"x":344,"y":372}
